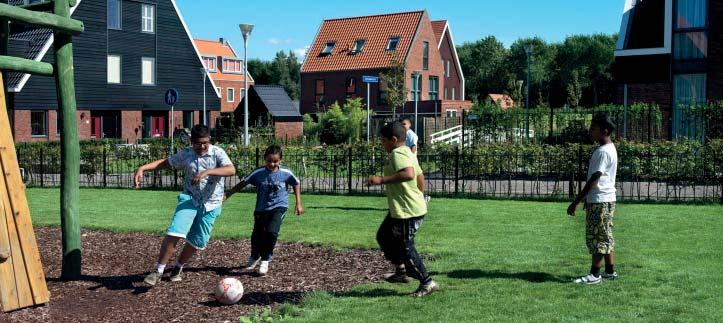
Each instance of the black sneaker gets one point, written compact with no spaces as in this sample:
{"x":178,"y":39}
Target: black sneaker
{"x":398,"y":278}
{"x":612,"y":276}
{"x":425,"y":289}
{"x":176,"y":274}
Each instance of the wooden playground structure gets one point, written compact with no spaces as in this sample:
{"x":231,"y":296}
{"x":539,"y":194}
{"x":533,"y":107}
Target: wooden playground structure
{"x":22,"y":281}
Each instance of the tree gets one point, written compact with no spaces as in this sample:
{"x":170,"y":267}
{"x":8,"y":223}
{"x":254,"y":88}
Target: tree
{"x":260,"y":71}
{"x":393,"y":80}
{"x":284,"y":70}
{"x":483,"y":63}
{"x":541,"y":65}
{"x":588,"y":58}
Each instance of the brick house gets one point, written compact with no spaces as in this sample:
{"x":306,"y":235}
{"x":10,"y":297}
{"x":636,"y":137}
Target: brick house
{"x":346,"y":49}
{"x":226,"y":70}
{"x":130,"y":53}
{"x":670,"y":52}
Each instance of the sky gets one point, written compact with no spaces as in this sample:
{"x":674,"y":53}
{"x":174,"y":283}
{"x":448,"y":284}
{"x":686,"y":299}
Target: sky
{"x":292,"y":25}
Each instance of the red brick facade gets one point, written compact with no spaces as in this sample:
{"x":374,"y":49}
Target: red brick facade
{"x":292,"y":129}
{"x":23,"y":133}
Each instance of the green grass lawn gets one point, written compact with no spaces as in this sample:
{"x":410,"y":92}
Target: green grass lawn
{"x":494,"y":260}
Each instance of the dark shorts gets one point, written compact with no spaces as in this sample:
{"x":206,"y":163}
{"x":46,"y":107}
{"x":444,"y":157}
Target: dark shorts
{"x":599,"y":228}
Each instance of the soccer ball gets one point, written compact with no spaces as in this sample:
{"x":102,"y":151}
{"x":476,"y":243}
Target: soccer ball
{"x":229,"y":291}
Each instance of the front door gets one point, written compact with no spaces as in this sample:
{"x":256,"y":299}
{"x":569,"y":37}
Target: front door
{"x":158,"y":126}
{"x":96,"y":127}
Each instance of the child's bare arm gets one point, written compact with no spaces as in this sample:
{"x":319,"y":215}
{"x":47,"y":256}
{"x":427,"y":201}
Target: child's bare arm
{"x":228,"y":170}
{"x":585,"y":190}
{"x":297,"y":194}
{"x":420,"y":182}
{"x":403,"y":175}
{"x":238,"y":187}
{"x":156,"y":165}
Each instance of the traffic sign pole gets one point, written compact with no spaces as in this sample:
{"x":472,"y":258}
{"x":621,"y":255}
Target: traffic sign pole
{"x":369,"y":127}
{"x":171,"y":98}
{"x":173,"y":127}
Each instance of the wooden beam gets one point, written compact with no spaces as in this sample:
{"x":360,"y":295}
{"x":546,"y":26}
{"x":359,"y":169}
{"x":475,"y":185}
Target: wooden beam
{"x":69,"y":150}
{"x":16,"y":64}
{"x":38,"y":6}
{"x":62,"y":24}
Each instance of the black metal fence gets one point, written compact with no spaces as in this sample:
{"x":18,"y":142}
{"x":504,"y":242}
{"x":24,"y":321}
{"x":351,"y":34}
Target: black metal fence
{"x":493,"y":171}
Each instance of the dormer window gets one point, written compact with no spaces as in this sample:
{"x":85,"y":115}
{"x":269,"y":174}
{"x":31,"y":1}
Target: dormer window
{"x":393,"y":42}
{"x":232,"y":65}
{"x":328,"y":49}
{"x":358,"y":46}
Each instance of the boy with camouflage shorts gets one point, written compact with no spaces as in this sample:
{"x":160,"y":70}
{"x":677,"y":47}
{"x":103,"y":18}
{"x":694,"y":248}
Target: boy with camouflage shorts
{"x":600,"y":204}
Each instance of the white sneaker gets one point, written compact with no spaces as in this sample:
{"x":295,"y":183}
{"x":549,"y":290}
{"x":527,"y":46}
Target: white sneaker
{"x":427,"y":198}
{"x":263,"y":268}
{"x":588,"y":280}
{"x":253,"y":263}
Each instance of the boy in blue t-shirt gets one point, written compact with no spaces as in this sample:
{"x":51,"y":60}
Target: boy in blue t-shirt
{"x":272,"y":201}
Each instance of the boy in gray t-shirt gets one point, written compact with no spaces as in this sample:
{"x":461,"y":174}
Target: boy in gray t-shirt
{"x":600,"y":203}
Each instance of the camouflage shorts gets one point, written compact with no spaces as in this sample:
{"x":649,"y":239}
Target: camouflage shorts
{"x":599,"y":228}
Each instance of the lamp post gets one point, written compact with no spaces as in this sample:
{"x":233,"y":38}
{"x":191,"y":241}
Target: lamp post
{"x":528,"y":52}
{"x":205,"y":74}
{"x":246,"y":31}
{"x":417,"y":91}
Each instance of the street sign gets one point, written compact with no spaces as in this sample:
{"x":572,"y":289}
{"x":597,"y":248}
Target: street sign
{"x":171,"y":97}
{"x":370,"y":79}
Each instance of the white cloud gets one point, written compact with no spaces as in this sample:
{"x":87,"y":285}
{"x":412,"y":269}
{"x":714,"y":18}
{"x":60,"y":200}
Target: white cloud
{"x":301,"y":52}
{"x":276,"y":41}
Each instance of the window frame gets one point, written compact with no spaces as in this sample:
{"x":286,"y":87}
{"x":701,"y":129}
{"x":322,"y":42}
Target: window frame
{"x":350,"y":83}
{"x":319,"y":97}
{"x":153,"y":71}
{"x":215,"y":63}
{"x":185,"y":114}
{"x":152,"y":18}
{"x":226,"y":60}
{"x":451,"y":113}
{"x":416,"y":88}
{"x":396,"y":43}
{"x":230,"y":98}
{"x":677,"y":31}
{"x":119,"y":14}
{"x":45,"y":124}
{"x":447,"y":69}
{"x":425,"y":55}
{"x":120,"y":69}
{"x":433,"y":95}
{"x":357,"y":48}
{"x":330,"y":46}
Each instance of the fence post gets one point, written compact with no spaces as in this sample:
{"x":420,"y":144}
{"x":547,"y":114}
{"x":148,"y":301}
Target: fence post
{"x":456,"y":170}
{"x":105,"y":167}
{"x":579,"y":167}
{"x":42,"y":168}
{"x":175,"y":172}
{"x":350,"y":165}
{"x":463,"y":130}
{"x":650,"y":126}
{"x":333,"y":162}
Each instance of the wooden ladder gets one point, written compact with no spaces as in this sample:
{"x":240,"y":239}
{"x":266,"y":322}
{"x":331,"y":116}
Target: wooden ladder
{"x":22,"y":281}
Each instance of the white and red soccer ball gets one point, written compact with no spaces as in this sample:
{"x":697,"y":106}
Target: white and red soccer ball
{"x":229,"y":291}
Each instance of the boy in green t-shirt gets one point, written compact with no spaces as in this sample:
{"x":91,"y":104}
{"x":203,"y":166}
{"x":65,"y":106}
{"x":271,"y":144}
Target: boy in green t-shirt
{"x":404,"y":183}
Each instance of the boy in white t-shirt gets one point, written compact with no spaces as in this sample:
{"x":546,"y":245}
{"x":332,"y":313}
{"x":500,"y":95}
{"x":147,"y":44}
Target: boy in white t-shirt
{"x":600,"y":203}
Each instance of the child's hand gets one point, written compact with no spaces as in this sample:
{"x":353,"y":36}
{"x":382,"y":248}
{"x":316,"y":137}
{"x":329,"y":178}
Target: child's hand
{"x":137,"y":178}
{"x":374,"y":180}
{"x":198,"y":178}
{"x":571,"y":209}
{"x":299,"y":209}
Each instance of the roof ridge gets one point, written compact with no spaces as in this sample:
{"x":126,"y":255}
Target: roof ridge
{"x":376,"y":15}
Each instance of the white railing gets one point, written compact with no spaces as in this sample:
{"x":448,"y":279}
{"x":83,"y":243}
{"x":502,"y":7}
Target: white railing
{"x":452,"y":136}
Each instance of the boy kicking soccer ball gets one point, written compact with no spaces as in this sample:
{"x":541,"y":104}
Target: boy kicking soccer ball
{"x":272,"y":201}
{"x":600,"y":205}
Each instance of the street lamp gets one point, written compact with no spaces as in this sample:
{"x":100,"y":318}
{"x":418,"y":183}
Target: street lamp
{"x":416,"y":75}
{"x":528,"y":52}
{"x":205,"y":73}
{"x":246,"y":31}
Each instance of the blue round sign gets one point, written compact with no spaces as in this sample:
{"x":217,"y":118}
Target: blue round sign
{"x":171,"y":96}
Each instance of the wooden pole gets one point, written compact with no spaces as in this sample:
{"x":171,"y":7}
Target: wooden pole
{"x":9,"y":63}
{"x":43,"y":19}
{"x":69,"y":149}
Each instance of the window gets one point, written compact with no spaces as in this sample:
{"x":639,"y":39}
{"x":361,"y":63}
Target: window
{"x":425,"y":55}
{"x":690,"y":40}
{"x":446,"y":68}
{"x":393,"y":42}
{"x":188,"y":119}
{"x":229,"y":95}
{"x":114,"y":69}
{"x":241,"y":94}
{"x":453,"y":97}
{"x":688,"y":90}
{"x":232,"y":65}
{"x":209,"y":63}
{"x":148,"y":67}
{"x":114,"y":14}
{"x":433,"y":88}
{"x":446,"y":97}
{"x":39,"y":123}
{"x":350,"y":87}
{"x":358,"y":46}
{"x":451,"y":113}
{"x":319,"y":97}
{"x":328,"y":49}
{"x":148,"y":18}
{"x":416,"y":87}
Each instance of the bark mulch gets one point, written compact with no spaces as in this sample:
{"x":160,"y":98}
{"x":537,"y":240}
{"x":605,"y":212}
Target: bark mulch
{"x":114,"y":265}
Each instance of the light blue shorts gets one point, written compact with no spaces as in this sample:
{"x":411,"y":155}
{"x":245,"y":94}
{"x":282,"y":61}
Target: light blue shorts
{"x":192,"y":223}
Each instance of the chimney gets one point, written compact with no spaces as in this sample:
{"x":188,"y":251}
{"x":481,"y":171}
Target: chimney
{"x":220,"y":40}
